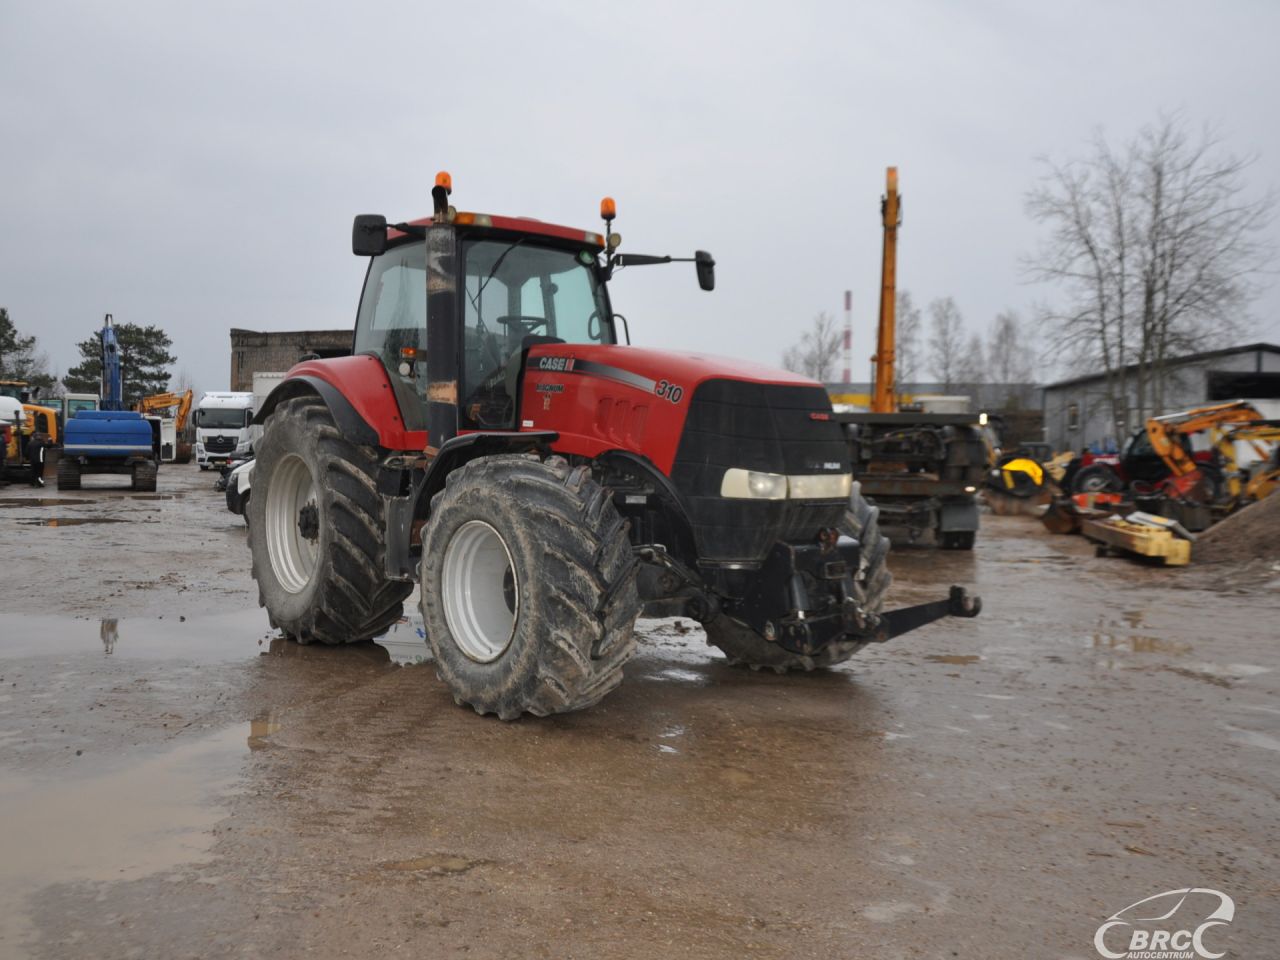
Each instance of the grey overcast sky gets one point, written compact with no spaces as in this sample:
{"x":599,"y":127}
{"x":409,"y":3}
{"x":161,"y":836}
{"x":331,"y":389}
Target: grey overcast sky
{"x":196,"y":166}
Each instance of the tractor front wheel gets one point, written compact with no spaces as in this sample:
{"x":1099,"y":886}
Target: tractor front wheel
{"x":316,"y":530}
{"x":742,"y":645}
{"x":528,"y":587}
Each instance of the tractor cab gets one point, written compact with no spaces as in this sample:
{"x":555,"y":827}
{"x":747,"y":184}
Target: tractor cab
{"x":514,"y":290}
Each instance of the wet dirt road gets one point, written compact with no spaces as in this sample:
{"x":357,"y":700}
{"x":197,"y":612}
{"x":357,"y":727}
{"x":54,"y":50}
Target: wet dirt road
{"x":174,"y":782}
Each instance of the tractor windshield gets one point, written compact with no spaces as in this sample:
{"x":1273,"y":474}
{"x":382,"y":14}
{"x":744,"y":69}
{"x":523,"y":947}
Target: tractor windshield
{"x":516,"y":293}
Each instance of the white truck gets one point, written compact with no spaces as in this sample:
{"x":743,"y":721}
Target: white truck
{"x":223,"y":428}
{"x":263,"y":384}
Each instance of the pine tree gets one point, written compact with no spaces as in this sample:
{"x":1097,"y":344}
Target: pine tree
{"x":144,"y":362}
{"x":19,"y":359}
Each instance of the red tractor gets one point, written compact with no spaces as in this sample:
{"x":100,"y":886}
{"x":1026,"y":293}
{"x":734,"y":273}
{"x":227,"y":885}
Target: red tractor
{"x":494,"y":440}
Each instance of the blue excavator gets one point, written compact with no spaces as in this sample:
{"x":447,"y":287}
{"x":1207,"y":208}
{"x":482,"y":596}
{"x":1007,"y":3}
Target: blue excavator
{"x":110,"y":439}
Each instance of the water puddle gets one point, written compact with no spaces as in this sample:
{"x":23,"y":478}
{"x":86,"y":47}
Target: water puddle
{"x":12,"y":502}
{"x":214,"y":639}
{"x":956,"y":659}
{"x":220,"y":638}
{"x":434,"y":864}
{"x":116,"y":818}
{"x":78,"y":521}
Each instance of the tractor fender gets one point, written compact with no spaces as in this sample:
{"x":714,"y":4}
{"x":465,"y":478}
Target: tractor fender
{"x":353,"y":426}
{"x":359,"y":394}
{"x":624,"y":461}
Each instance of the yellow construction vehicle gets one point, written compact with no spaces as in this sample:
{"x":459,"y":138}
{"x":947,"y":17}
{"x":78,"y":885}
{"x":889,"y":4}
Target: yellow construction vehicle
{"x":1247,"y":484}
{"x":169,"y":412}
{"x":1170,"y":438}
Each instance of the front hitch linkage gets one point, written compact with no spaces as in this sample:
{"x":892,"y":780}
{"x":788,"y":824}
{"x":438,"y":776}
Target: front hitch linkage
{"x":897,"y":622}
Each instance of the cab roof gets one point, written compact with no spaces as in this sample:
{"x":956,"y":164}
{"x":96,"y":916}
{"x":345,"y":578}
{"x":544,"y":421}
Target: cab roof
{"x":526,"y":225}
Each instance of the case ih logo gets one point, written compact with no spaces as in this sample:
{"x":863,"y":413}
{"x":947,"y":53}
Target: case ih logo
{"x":555,"y":363}
{"x":1169,"y":926}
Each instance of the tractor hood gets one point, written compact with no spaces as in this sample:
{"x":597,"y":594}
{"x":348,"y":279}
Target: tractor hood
{"x":602,"y":398}
{"x":646,"y":369}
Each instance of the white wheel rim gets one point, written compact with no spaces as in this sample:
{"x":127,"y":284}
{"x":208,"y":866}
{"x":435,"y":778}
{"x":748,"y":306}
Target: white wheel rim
{"x":293,"y":553}
{"x":481,"y":591}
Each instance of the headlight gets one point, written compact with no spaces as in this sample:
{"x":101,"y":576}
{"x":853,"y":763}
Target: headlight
{"x":820,"y":486}
{"x":750,"y":485}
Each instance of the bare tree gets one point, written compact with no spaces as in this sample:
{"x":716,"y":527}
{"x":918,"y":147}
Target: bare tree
{"x":1156,"y":250}
{"x":816,"y":352}
{"x":946,"y":341}
{"x":907,"y":339}
{"x":972,"y":367}
{"x":1010,"y":357}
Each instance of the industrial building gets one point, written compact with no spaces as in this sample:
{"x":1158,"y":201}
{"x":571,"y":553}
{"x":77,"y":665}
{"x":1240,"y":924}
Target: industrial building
{"x":1078,"y":414}
{"x":253,"y":351}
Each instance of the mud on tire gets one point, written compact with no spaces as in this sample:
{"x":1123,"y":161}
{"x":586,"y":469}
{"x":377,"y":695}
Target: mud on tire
{"x":528,"y":587}
{"x":345,"y":595}
{"x":742,"y":645}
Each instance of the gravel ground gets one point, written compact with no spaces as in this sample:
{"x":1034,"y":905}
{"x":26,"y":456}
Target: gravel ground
{"x":176,"y":782}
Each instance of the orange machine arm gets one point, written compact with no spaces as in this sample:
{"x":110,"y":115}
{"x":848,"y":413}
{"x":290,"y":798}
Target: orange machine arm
{"x":163,"y":401}
{"x":1166,"y":432}
{"x":882,"y":399}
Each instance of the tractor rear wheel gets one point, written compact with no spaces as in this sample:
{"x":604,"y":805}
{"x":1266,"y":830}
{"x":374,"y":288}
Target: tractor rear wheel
{"x":316,"y":530}
{"x":528,"y":587}
{"x":68,"y":474}
{"x":742,"y":645}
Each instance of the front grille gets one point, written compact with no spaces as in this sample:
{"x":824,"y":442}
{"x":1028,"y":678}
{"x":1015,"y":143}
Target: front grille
{"x":763,"y":427}
{"x":220,"y":444}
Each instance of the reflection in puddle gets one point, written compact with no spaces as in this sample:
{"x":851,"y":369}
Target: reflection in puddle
{"x":1136,"y":643}
{"x":213,"y":639}
{"x":74,"y":521}
{"x":681,"y":675}
{"x":109,"y":633}
{"x":12,"y":502}
{"x":261,"y":727}
{"x":436,"y":864}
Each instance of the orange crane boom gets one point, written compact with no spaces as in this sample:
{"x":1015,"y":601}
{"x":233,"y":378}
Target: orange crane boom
{"x":882,"y":397}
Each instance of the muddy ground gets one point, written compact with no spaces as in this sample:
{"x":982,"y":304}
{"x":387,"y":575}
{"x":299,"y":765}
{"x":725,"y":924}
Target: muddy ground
{"x":174,"y":782}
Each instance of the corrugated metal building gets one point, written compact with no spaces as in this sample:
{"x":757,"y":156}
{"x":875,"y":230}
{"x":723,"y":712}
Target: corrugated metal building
{"x":276,"y":351}
{"x":1077,"y":412}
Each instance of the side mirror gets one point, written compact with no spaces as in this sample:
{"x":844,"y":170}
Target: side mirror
{"x":705,"y":264}
{"x":369,"y":235}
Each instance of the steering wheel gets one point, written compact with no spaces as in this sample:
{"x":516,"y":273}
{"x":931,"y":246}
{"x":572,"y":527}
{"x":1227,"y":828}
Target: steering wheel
{"x":526,"y":324}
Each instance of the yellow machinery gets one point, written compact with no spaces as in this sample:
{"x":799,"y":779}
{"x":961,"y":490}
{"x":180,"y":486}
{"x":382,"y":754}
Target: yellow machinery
{"x":37,"y":419}
{"x":174,"y":449}
{"x":882,"y":398}
{"x":1264,"y":477}
{"x":920,"y":469}
{"x":166,"y":401}
{"x":1141,"y":534}
{"x":1226,"y":424}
